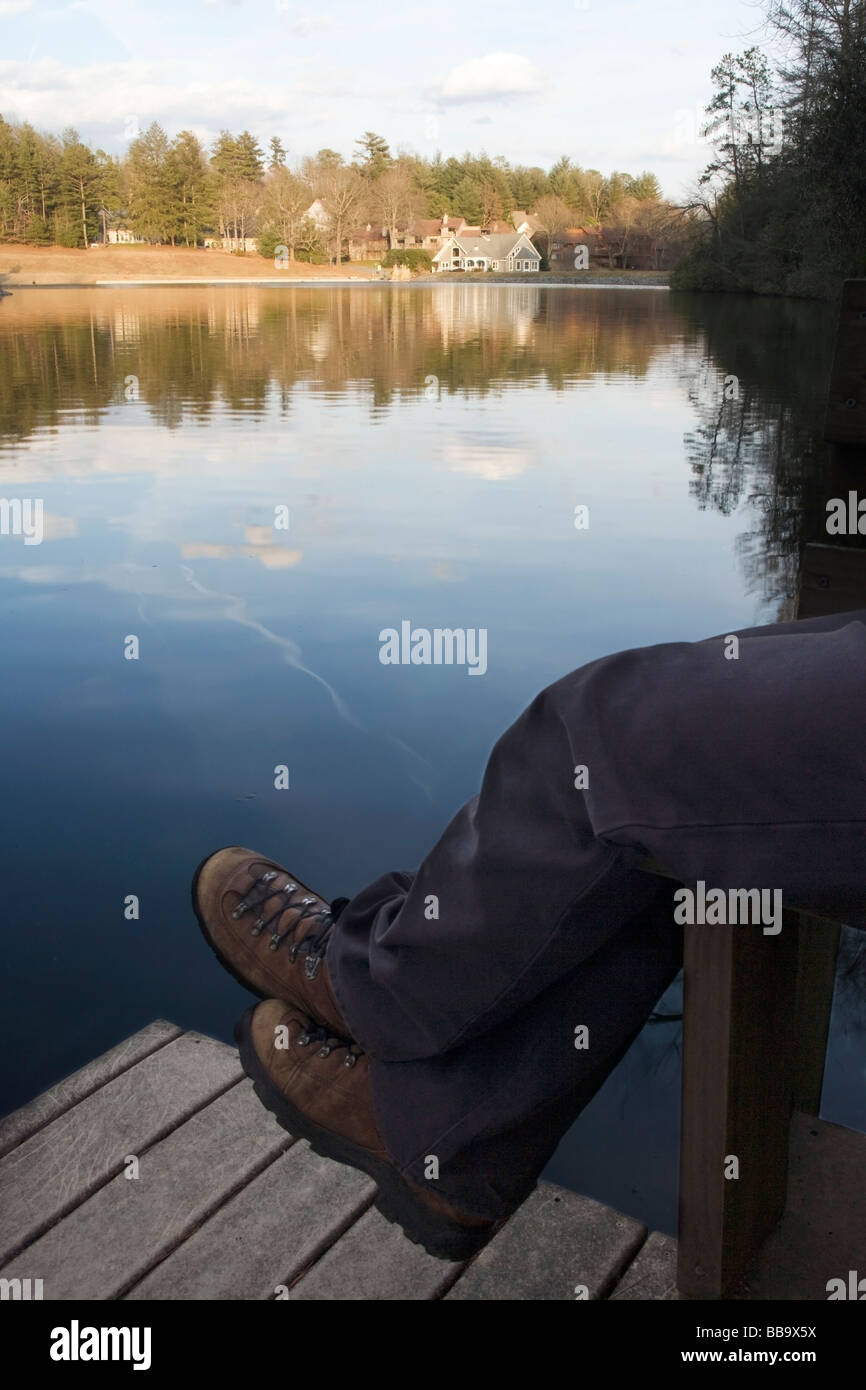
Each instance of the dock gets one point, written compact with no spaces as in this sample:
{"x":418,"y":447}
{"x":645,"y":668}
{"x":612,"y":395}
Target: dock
{"x":155,"y":1173}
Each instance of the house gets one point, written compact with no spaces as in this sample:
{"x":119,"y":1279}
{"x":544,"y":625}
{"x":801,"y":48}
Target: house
{"x":430,"y":233}
{"x":116,"y":230}
{"x":246,"y":244}
{"x":318,"y":213}
{"x":475,"y":250}
{"x":123,"y":236}
{"x":524,"y":222}
{"x":367,"y":243}
{"x":565,"y":244}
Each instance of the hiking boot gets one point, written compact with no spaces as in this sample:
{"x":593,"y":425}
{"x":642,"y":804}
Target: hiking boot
{"x":318,"y":1087}
{"x":269,"y":930}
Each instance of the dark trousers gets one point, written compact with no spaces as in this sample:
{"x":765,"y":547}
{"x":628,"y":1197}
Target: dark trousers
{"x":466,"y":980}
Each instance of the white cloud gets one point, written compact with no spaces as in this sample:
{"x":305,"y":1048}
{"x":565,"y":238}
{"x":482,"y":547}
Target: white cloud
{"x":495,"y":75}
{"x":492,"y":462}
{"x":102,"y":95}
{"x":14,"y":6}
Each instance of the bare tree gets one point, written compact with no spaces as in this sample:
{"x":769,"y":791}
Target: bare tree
{"x":286,"y":201}
{"x":491,"y":204}
{"x":395,"y":199}
{"x":553,"y":215}
{"x":617,"y":232}
{"x":343,"y":194}
{"x":593,"y":188}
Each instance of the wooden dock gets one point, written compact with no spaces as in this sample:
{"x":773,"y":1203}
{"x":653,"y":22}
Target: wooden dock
{"x":155,"y":1173}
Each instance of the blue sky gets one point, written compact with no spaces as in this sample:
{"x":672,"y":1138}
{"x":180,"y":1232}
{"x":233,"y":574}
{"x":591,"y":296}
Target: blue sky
{"x":613,"y":85}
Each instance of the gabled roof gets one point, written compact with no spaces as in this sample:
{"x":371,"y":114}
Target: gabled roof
{"x":497,"y":246}
{"x":427,"y":226}
{"x":525,"y":219}
{"x":370,"y":231}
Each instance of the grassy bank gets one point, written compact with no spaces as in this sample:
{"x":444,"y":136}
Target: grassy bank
{"x":55,"y":265}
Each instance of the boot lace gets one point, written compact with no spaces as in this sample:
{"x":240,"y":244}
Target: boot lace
{"x":312,"y":946}
{"x":330,"y":1043}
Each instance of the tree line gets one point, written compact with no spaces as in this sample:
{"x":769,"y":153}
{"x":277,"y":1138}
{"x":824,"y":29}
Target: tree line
{"x":57,"y":190}
{"x":781,"y":207}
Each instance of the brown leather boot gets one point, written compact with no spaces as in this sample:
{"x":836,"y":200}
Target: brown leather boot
{"x":268,"y":929}
{"x":318,"y":1087}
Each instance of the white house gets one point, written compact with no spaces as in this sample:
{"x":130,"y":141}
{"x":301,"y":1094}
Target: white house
{"x":508,"y":251}
{"x":122,"y":236}
{"x":318,"y":214}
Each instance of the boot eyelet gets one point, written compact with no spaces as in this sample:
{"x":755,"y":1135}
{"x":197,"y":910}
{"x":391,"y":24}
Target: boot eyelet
{"x":351,"y":1059}
{"x":324,"y":1051}
{"x":256,"y":928}
{"x":304,"y":1039}
{"x":311,"y":966}
{"x":240,"y":909}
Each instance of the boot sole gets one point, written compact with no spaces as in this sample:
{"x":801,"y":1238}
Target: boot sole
{"x":223,"y":959}
{"x":395,"y":1200}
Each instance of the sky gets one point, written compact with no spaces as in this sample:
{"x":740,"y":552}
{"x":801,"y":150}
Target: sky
{"x":619,"y":85}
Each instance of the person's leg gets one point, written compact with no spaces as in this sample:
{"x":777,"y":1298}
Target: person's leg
{"x":492,"y":1111}
{"x":746,"y":772}
{"x":464,"y":981}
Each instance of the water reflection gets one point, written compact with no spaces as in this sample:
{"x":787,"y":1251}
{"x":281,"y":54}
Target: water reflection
{"x":430,"y":447}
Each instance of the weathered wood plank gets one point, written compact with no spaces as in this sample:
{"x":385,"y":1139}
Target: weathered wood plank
{"x":120,"y":1232}
{"x":64,"y":1162}
{"x":738,"y":1003}
{"x":20,"y":1124}
{"x":267,"y":1234}
{"x":555,"y":1245}
{"x":652,"y":1275}
{"x":823,"y":1233}
{"x":816,"y":979}
{"x":846,"y":406}
{"x":375,"y":1260}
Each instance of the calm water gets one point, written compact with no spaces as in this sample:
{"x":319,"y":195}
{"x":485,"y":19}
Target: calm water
{"x":431,"y":445}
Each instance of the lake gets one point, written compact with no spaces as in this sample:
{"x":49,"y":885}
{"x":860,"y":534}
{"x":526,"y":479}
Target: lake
{"x":426,"y":448}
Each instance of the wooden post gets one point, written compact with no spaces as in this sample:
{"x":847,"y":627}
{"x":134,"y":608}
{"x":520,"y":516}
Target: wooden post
{"x":756,"y":1009}
{"x":738,"y":1002}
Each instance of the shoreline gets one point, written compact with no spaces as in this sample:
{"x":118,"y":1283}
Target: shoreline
{"x":342,"y":282}
{"x":120,"y":267}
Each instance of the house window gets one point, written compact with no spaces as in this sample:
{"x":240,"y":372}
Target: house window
{"x":495,"y":265}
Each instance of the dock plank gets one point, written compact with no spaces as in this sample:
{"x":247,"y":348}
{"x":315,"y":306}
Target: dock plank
{"x":374,"y":1260}
{"x":652,"y":1275}
{"x":267,"y":1234}
{"x":555,"y":1244}
{"x":120,"y":1232}
{"x":40,"y":1111}
{"x":823,"y":1232}
{"x":65,"y":1161}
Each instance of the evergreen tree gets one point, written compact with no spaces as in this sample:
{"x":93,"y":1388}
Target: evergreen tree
{"x":278,"y":153}
{"x":375,"y":154}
